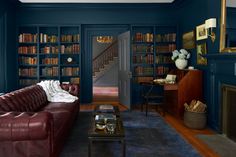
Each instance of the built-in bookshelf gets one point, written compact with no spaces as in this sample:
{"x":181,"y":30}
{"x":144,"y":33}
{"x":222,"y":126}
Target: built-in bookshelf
{"x":151,"y":48}
{"x":48,"y":52}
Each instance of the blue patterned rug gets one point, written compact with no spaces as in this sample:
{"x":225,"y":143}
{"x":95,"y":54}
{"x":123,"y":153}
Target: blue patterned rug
{"x":145,"y":137}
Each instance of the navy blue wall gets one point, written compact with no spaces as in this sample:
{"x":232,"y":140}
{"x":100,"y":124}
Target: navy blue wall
{"x":8,"y":71}
{"x":221,"y":66}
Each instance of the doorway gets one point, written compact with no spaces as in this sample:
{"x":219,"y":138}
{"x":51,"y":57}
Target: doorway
{"x":89,"y":32}
{"x":105,"y":68}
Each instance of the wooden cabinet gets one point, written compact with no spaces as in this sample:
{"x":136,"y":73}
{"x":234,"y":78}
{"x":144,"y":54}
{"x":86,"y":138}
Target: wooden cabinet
{"x":188,"y":86}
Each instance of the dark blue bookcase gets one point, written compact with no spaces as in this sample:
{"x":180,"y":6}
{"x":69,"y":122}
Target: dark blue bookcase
{"x":151,"y":50}
{"x":48,"y":52}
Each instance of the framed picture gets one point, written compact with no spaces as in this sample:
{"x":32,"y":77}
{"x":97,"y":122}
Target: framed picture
{"x":201,"y":32}
{"x":201,"y":50}
{"x":188,"y":40}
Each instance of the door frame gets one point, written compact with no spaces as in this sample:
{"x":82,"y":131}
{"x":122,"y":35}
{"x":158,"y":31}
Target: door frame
{"x":88,"y":32}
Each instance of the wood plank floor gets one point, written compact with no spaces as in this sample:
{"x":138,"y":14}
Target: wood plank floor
{"x":177,"y":124}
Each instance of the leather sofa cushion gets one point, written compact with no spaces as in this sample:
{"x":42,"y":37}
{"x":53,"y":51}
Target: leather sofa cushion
{"x":29,"y":99}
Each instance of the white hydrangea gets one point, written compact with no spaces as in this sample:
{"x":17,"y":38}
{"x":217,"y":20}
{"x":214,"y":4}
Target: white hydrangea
{"x":182,"y":54}
{"x":183,"y":51}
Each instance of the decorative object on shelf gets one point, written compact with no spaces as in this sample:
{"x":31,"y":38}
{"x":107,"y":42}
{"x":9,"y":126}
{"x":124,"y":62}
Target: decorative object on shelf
{"x":201,"y":50}
{"x":201,"y":32}
{"x":69,"y":60}
{"x":210,"y":24}
{"x":180,"y":57}
{"x":189,"y":40}
{"x":104,"y":39}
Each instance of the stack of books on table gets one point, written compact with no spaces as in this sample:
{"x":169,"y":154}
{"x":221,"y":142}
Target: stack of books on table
{"x":105,"y":108}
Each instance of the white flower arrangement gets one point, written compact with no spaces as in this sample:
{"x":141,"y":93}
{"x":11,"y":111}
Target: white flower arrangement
{"x":181,"y":54}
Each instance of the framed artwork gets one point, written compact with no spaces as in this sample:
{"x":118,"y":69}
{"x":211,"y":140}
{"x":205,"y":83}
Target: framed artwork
{"x":201,"y":50}
{"x":201,"y":32}
{"x":188,"y":40}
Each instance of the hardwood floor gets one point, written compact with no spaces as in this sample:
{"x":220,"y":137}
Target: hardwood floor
{"x":188,"y":134}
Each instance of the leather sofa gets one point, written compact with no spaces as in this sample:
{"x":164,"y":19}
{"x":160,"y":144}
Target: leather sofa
{"x":30,"y":126}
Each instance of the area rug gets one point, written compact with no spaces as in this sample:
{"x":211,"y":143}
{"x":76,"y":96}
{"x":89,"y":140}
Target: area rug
{"x":219,"y":144}
{"x":145,"y":137}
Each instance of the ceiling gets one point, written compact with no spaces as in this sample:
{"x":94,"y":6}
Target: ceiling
{"x":96,"y":1}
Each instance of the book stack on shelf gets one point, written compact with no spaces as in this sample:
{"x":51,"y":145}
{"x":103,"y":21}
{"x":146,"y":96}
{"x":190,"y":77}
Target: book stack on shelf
{"x":27,"y":50}
{"x":27,"y":38}
{"x":148,"y":59}
{"x":28,"y":72}
{"x":49,"y":71}
{"x":70,"y":71}
{"x":142,"y":48}
{"x":161,"y":59}
{"x":139,"y":70}
{"x":48,"y":61}
{"x":143,"y":37}
{"x":49,"y":50}
{"x":74,"y":38}
{"x":45,"y":38}
{"x":169,"y":37}
{"x":70,"y":49}
{"x":28,"y":60}
{"x":162,"y":70}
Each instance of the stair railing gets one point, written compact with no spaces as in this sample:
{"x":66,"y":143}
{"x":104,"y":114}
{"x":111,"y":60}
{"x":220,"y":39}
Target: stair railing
{"x":105,"y":56}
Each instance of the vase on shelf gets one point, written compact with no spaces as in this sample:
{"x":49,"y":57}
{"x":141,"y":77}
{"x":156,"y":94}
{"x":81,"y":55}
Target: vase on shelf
{"x":181,"y":63}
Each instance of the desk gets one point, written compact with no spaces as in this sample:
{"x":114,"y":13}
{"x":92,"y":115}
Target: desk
{"x":188,"y":87}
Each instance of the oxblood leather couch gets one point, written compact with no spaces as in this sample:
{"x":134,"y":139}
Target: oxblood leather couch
{"x":30,"y":126}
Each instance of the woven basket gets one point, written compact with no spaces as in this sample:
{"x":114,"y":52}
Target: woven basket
{"x":195,"y":120}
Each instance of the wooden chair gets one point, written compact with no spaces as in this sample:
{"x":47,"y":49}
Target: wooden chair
{"x":152,"y":95}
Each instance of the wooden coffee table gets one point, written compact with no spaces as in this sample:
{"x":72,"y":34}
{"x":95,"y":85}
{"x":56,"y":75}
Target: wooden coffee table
{"x":102,"y":135}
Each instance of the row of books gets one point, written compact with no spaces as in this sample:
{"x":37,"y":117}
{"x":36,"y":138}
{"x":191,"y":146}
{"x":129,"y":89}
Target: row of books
{"x":143,"y":37}
{"x":143,"y":79}
{"x":166,"y":48}
{"x":50,"y":71}
{"x":28,"y":60}
{"x":31,"y":72}
{"x":50,"y":49}
{"x":148,"y":59}
{"x":75,"y":80}
{"x":162,"y":70}
{"x":50,"y":61}
{"x":27,"y":50}
{"x":142,"y":48}
{"x":170,"y":37}
{"x":139,"y":70}
{"x":27,"y":82}
{"x":70,"y":38}
{"x":163,"y":59}
{"x":75,"y":48}
{"x":28,"y":38}
{"x":45,"y":38}
{"x":70,"y":71}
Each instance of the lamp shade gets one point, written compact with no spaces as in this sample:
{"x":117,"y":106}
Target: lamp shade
{"x":210,"y":23}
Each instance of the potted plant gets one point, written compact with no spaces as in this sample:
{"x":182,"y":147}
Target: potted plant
{"x":181,"y":58}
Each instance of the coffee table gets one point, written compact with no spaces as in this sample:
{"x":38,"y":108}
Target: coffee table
{"x":102,"y":135}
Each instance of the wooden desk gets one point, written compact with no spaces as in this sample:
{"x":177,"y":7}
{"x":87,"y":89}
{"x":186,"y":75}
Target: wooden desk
{"x":188,"y":86}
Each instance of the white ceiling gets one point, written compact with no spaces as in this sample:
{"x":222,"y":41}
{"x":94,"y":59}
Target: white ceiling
{"x":96,"y":1}
{"x":231,"y":3}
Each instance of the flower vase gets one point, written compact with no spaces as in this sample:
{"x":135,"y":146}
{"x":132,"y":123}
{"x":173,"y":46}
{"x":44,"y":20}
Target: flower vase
{"x":181,"y":63}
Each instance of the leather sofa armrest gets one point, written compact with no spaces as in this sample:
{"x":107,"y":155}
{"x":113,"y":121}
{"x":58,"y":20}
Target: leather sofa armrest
{"x":15,"y":126}
{"x":71,"y":88}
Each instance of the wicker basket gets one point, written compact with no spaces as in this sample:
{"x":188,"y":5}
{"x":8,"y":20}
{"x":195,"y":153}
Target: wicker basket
{"x":195,"y":120}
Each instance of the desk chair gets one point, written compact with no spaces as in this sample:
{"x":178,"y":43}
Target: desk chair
{"x":152,"y":97}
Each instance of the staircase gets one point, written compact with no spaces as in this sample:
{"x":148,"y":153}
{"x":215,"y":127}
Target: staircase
{"x":105,"y":60}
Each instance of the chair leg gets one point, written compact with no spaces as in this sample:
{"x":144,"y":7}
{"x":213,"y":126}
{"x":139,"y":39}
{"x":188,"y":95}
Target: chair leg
{"x":146,"y":107}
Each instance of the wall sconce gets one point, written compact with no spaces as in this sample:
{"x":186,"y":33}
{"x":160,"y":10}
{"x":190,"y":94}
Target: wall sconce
{"x":209,"y":25}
